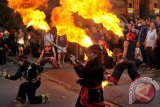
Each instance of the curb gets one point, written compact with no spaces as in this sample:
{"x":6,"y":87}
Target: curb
{"x":76,"y":90}
{"x":65,"y":85}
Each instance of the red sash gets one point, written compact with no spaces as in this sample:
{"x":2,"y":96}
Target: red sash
{"x":84,"y":97}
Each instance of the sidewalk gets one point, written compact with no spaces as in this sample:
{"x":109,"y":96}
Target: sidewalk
{"x":118,"y":94}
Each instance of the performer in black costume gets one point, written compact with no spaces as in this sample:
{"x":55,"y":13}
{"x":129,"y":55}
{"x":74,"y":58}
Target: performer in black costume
{"x":91,"y":76}
{"x":31,"y":73}
{"x":127,"y":61}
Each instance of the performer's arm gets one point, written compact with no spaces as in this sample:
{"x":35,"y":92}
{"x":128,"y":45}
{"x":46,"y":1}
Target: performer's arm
{"x":54,"y":52}
{"x":40,"y":57}
{"x":16,"y":76}
{"x":38,"y":68}
{"x":126,"y":43}
{"x":78,"y":69}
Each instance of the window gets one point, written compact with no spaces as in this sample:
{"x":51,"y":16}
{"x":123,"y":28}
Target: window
{"x":130,"y":5}
{"x":155,"y":5}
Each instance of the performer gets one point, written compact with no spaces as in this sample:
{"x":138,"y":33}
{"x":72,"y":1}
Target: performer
{"x":31,"y":73}
{"x":48,"y":54}
{"x":91,"y":76}
{"x":128,"y":60}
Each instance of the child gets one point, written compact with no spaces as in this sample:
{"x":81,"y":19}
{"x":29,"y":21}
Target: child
{"x":138,"y":55}
{"x":48,"y":55}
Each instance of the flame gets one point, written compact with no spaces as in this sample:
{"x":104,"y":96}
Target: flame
{"x":104,"y":84}
{"x":85,"y":57}
{"x":95,"y":10}
{"x":62,"y":18}
{"x":30,"y":14}
{"x":110,"y":53}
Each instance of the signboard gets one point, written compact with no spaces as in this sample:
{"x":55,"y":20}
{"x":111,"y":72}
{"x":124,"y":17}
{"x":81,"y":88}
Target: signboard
{"x":156,"y":10}
{"x":130,"y":10}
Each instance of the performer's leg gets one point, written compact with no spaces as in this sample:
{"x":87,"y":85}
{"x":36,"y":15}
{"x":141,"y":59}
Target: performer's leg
{"x":43,"y":62}
{"x":117,"y":72}
{"x":63,"y":58}
{"x":54,"y":64}
{"x":59,"y":58}
{"x":21,"y":96}
{"x":78,"y":103}
{"x":132,"y":71}
{"x":31,"y":90}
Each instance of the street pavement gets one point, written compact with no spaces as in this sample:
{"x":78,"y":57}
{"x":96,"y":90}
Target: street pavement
{"x":118,"y":94}
{"x":115,"y":96}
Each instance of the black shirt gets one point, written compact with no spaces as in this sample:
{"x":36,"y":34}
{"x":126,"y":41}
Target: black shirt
{"x":28,"y":71}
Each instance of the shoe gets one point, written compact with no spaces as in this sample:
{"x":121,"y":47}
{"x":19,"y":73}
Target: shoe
{"x":15,"y":101}
{"x":20,"y":105}
{"x":58,"y":66}
{"x":44,"y":99}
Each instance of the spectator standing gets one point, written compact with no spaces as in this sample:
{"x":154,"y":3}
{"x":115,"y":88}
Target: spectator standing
{"x":95,"y":36}
{"x":61,"y":41}
{"x":150,"y":44}
{"x":141,"y":38}
{"x":20,"y":41}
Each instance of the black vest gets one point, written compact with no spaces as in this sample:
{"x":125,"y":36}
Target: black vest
{"x":131,"y":49}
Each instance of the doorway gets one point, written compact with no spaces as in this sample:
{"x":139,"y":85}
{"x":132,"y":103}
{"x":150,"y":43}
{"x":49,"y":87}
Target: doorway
{"x":144,"y":8}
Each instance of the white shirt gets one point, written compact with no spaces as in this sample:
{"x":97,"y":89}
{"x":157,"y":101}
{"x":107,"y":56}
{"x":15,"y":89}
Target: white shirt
{"x":151,"y":37}
{"x":50,"y":37}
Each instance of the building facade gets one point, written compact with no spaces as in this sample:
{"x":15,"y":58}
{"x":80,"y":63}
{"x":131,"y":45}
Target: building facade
{"x":137,"y":8}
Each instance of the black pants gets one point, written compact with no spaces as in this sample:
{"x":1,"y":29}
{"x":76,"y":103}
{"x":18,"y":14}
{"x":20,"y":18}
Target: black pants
{"x":150,"y":57}
{"x":2,"y":57}
{"x":29,"y":89}
{"x":119,"y":69}
{"x":157,"y":58}
{"x":143,"y":53}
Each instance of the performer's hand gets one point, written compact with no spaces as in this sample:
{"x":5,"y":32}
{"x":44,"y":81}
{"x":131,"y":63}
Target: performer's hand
{"x":7,"y":76}
{"x":72,"y":59}
{"x":122,"y":60}
{"x":54,"y":58}
{"x":78,"y":80}
{"x":38,"y":62}
{"x":4,"y":73}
